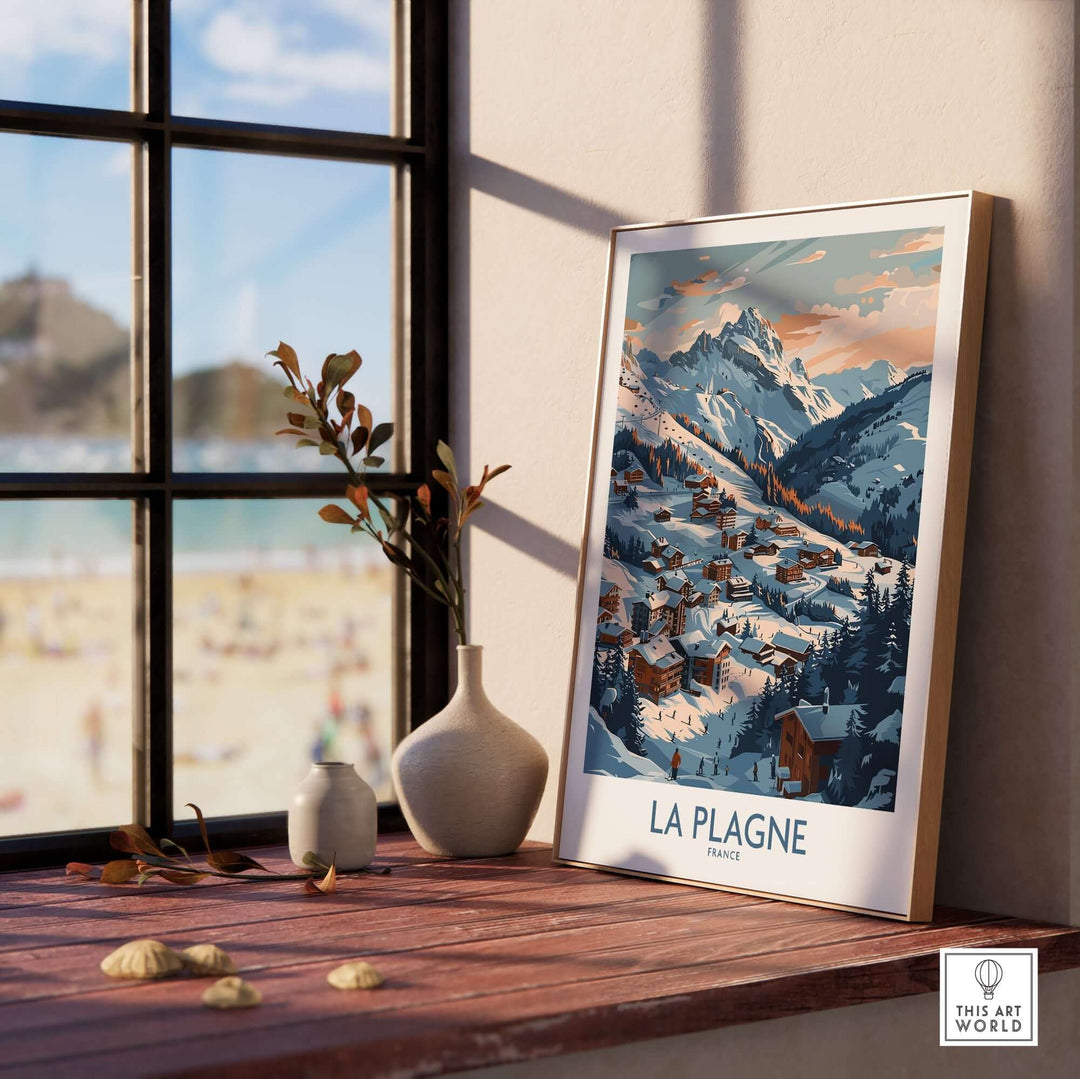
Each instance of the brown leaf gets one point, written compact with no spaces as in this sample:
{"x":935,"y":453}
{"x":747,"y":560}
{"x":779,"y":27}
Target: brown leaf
{"x":305,"y":442}
{"x":444,"y":479}
{"x":363,"y":416}
{"x":291,"y":431}
{"x":119,"y":871}
{"x":295,"y":418}
{"x":396,"y":555}
{"x":181,"y":876}
{"x":79,"y":869}
{"x":287,"y":359}
{"x":358,"y":496}
{"x":134,"y":839}
{"x":359,"y":437}
{"x":325,"y":886}
{"x":202,"y":824}
{"x":335,"y":515}
{"x":232,"y":861}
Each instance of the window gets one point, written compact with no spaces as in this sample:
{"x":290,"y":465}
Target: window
{"x":181,"y":186}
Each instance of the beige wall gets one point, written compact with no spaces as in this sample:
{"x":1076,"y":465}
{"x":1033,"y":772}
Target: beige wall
{"x":571,"y":117}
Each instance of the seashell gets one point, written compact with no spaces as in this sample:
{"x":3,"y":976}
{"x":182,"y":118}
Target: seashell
{"x":358,"y":975}
{"x":204,"y":960}
{"x":232,"y":992}
{"x":142,"y":959}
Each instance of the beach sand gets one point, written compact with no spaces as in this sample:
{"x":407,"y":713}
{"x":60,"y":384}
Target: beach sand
{"x":272,"y":669}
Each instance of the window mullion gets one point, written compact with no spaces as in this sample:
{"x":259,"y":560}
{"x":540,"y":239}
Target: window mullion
{"x":156,"y":698}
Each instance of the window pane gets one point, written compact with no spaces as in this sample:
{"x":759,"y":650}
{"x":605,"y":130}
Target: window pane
{"x":282,"y":653}
{"x":65,"y":305}
{"x":268,"y":249}
{"x":293,"y":62}
{"x":66,"y":603}
{"x":66,"y":52}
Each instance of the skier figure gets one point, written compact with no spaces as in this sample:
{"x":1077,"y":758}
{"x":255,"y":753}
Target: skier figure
{"x":701,"y":766}
{"x":716,"y":765}
{"x":755,"y":771}
{"x":727,"y":769}
{"x":676,"y":760}
{"x":772,"y":766}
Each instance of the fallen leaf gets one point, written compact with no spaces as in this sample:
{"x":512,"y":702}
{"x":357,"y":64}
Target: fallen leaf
{"x":120,"y":871}
{"x":79,"y":869}
{"x":325,"y":886}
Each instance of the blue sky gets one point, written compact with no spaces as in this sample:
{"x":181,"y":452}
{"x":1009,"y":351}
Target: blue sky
{"x":836,"y":301}
{"x":264,"y":248}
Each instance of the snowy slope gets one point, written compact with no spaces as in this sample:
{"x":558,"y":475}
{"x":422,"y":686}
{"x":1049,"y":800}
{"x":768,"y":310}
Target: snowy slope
{"x":868,"y":462}
{"x":859,"y":383}
{"x":740,"y":384}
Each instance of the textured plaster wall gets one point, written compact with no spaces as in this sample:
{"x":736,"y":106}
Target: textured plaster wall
{"x":569,"y":118}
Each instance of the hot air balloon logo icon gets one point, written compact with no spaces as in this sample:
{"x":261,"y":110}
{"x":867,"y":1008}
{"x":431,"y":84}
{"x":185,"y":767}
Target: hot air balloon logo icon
{"x":988,"y":974}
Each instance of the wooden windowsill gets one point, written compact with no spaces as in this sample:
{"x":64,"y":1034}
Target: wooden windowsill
{"x":485,"y":961}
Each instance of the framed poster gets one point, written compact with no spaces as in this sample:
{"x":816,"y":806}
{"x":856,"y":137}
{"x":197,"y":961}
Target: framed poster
{"x":770,"y":568}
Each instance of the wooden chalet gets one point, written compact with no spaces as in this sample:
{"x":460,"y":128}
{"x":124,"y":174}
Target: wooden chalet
{"x":727,"y":624}
{"x":725,"y":516}
{"x":709,"y":591}
{"x":675,"y":581}
{"x":657,"y":668}
{"x":738,"y":588}
{"x":708,"y":660}
{"x":788,"y":571}
{"x":614,"y":634}
{"x":793,"y":646}
{"x":701,"y":512}
{"x":757,"y":649}
{"x":669,"y":608}
{"x":662,"y":514}
{"x":734,"y":540}
{"x":865,"y":549}
{"x":634,"y":475}
{"x":619,"y":488}
{"x":719,"y":569}
{"x":882,"y":568}
{"x":810,"y":737}
{"x":761,"y":547}
{"x":610,"y":596}
{"x":816,"y":554}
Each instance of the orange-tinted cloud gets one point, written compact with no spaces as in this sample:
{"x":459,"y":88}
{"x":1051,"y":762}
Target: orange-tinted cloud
{"x":901,"y":277}
{"x":688,"y":325}
{"x":812,"y":257}
{"x":631,"y":324}
{"x":904,"y":347}
{"x":704,"y":258}
{"x":696,"y":286}
{"x":913,"y":243}
{"x":797,"y":329}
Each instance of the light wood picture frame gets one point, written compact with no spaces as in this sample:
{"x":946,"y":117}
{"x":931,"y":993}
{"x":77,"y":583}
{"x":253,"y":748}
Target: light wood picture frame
{"x":762,"y":666}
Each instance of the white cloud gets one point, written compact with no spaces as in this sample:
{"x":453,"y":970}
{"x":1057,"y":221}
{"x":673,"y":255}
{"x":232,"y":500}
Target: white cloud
{"x":370,"y":15}
{"x":272,"y":62}
{"x":92,"y":30}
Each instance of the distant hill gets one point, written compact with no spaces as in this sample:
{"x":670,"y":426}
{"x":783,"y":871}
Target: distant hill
{"x":65,"y":369}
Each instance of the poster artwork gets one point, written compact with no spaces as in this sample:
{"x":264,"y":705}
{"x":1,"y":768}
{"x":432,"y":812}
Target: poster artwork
{"x":760,"y":549}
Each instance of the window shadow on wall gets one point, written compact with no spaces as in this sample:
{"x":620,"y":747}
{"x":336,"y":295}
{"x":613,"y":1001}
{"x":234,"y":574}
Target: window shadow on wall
{"x":717,"y":73}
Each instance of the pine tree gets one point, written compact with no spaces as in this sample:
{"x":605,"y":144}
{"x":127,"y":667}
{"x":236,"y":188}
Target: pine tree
{"x":846,"y":779}
{"x":746,"y":630}
{"x":631,"y":499}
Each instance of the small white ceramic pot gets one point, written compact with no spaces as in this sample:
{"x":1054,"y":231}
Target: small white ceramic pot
{"x":469,"y":780}
{"x":335,"y":815}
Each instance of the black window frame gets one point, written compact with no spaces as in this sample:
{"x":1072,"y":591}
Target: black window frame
{"x":422,"y":154}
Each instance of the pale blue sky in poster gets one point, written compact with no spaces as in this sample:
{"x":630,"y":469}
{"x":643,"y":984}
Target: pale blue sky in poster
{"x":836,"y":301}
{"x":263,"y":247}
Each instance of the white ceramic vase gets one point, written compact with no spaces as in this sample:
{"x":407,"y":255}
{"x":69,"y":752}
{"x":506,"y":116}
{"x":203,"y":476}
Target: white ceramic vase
{"x":335,"y":815}
{"x":469,"y":780}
